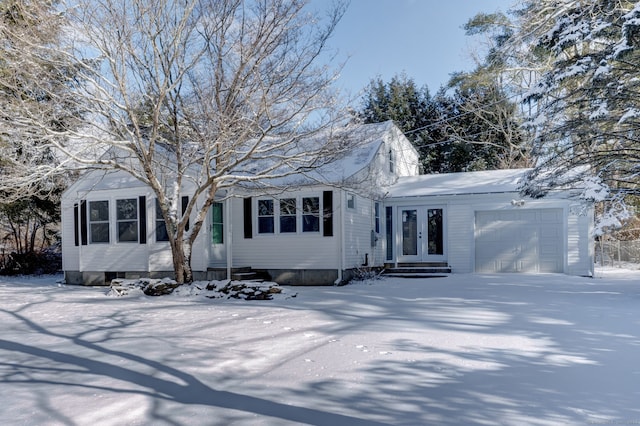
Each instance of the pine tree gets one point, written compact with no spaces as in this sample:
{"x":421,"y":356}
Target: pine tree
{"x":474,"y":128}
{"x":586,"y":99}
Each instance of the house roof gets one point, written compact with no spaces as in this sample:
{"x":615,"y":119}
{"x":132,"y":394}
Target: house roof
{"x":483,"y":182}
{"x":366,"y":140}
{"x":362,"y":141}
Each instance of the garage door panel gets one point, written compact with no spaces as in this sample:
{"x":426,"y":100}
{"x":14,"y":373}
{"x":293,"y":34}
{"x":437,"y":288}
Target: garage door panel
{"x":519,"y":241}
{"x":527,"y":216}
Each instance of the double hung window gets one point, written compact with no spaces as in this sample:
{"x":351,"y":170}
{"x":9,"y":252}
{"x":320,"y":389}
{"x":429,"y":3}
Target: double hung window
{"x":127,"y":220}
{"x":99,"y":221}
{"x":217,"y":228}
{"x":266,"y":217}
{"x":311,"y":214}
{"x":161,"y":225}
{"x":351,"y":201}
{"x":288,"y":215}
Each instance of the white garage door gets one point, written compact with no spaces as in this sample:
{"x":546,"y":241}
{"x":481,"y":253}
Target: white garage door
{"x":519,"y":241}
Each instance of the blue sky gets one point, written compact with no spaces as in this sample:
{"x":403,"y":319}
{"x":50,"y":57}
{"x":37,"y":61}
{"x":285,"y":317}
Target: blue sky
{"x":422,"y":38}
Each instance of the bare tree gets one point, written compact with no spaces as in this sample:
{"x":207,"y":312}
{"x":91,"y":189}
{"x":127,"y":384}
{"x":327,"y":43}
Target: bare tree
{"x":193,"y":93}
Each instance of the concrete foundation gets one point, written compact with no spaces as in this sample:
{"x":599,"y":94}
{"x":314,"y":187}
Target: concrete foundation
{"x":293,"y":277}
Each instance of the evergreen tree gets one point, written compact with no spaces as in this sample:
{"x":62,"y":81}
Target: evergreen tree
{"x":29,"y":208}
{"x":587,"y":118}
{"x":413,"y":111}
{"x":474,"y":128}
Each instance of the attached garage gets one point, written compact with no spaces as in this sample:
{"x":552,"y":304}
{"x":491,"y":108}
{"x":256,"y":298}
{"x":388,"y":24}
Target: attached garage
{"x":528,"y":240}
{"x":488,"y":226}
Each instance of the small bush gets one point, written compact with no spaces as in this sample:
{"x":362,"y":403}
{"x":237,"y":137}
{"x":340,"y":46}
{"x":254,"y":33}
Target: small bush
{"x":34,"y":263}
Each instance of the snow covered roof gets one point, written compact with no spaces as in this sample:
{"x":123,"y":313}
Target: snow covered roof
{"x":489,"y":181}
{"x":361,"y":142}
{"x":365,"y":141}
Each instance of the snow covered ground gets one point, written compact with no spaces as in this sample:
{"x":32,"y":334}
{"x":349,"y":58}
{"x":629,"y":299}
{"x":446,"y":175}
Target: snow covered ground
{"x":465,"y":349}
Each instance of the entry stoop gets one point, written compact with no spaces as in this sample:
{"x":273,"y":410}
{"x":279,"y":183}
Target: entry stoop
{"x":418,"y":270}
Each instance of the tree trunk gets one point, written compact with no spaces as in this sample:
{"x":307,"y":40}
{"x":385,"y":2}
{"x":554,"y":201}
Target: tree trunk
{"x":182,"y":261}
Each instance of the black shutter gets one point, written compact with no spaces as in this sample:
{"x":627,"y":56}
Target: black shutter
{"x":76,"y":225}
{"x":248,"y":223}
{"x":185,"y":203}
{"x":327,"y":213}
{"x":83,"y":222}
{"x":142,"y":211}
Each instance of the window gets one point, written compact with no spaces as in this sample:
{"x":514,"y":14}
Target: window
{"x":392,"y":161}
{"x":376,"y":214}
{"x":127,"y":220}
{"x":293,"y":215}
{"x":161,"y":226}
{"x":217,"y":229}
{"x":288,"y":215}
{"x":351,"y":201}
{"x":265,"y":217}
{"x":435,"y":240}
{"x":311,"y":214}
{"x":99,"y":221}
{"x":389,"y":231}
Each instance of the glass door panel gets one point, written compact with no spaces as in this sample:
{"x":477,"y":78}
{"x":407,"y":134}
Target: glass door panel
{"x":435,"y":232}
{"x":409,"y":232}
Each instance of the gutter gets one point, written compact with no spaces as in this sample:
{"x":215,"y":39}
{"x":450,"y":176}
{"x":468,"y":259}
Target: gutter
{"x":341,"y":249}
{"x":462,"y":194}
{"x":229,"y":245}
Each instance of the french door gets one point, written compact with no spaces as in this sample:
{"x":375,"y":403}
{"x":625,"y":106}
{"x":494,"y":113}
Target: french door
{"x":422,"y":236}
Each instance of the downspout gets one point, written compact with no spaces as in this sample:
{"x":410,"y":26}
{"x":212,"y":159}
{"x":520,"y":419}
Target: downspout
{"x":229,"y":245}
{"x":341,"y":249}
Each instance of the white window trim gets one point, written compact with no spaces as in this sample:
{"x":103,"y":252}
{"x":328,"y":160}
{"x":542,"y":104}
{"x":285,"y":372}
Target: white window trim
{"x":351,"y":197}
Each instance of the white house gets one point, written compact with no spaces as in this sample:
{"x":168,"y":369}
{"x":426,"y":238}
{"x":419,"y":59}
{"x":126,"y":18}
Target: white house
{"x":369,"y":209}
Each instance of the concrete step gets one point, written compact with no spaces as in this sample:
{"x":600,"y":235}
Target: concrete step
{"x":418,"y":270}
{"x":244,"y":276}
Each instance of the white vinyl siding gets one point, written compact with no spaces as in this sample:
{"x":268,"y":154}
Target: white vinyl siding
{"x":300,"y":250}
{"x":460,"y":237}
{"x":359,"y":223}
{"x":580,"y":247}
